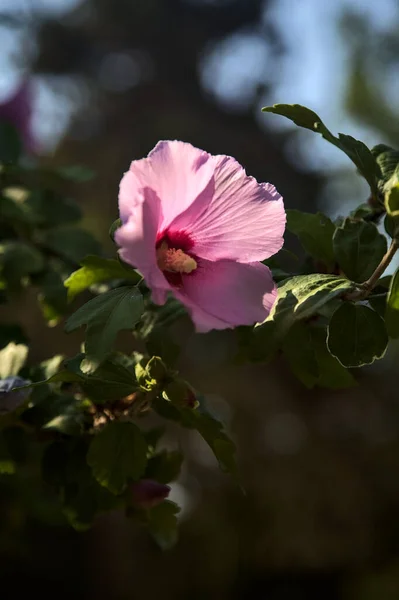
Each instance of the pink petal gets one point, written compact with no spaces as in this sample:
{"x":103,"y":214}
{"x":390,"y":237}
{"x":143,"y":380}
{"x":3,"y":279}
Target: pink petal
{"x":17,"y":110}
{"x":130,"y":196}
{"x":242,"y":220}
{"x":225,"y":294}
{"x":137,"y":238}
{"x":176,"y":171}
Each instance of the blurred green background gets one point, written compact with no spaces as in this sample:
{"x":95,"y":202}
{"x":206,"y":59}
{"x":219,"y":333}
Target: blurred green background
{"x":109,"y":79}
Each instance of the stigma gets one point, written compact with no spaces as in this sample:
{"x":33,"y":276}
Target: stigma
{"x":174,"y":260}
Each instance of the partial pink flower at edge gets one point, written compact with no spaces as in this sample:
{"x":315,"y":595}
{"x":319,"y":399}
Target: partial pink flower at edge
{"x":17,"y":110}
{"x":148,"y":493}
{"x":196,"y":225}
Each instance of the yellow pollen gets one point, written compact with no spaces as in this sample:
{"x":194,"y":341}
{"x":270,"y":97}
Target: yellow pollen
{"x":174,"y":260}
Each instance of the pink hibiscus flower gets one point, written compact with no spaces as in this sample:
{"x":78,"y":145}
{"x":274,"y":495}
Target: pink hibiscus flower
{"x":17,"y":110}
{"x":196,"y":225}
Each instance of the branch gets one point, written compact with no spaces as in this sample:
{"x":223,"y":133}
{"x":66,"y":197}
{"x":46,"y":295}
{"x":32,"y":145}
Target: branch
{"x":367,"y":287}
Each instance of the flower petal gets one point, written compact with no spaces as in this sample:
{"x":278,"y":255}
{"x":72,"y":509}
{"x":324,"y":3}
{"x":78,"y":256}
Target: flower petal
{"x":225,"y":294}
{"x":137,"y":240}
{"x":17,"y":109}
{"x":242,"y":220}
{"x":130,"y":196}
{"x":176,"y":171}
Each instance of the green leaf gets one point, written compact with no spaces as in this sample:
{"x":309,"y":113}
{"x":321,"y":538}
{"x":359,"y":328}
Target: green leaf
{"x":162,"y":523}
{"x":14,"y":210}
{"x":61,"y":412}
{"x":302,"y":297}
{"x":20,"y":259}
{"x":18,"y":444}
{"x":305,"y":349}
{"x":301,"y":355}
{"x":111,"y":381}
{"x":363,"y":211}
{"x":117,"y":454}
{"x":359,"y":248}
{"x":159,"y":343}
{"x":378,"y":296}
{"x":257,"y":344}
{"x":392,"y":205}
{"x":115,"y":225}
{"x":95,"y":270}
{"x":153,"y":330}
{"x":106,"y":315}
{"x":52,"y":365}
{"x":384,"y":282}
{"x":169,"y":312}
{"x":76,"y":173}
{"x":53,"y":296}
{"x":71,"y":243}
{"x":8,"y":465}
{"x":212,"y":431}
{"x":12,"y":359}
{"x":209,"y":428}
{"x":387,"y":159}
{"x":152,"y":437}
{"x":358,"y":152}
{"x":164,"y":466}
{"x":69,"y":420}
{"x":63,"y":376}
{"x":392,"y":308}
{"x":390,"y":226}
{"x":315,"y":232}
{"x":356,"y":335}
{"x":332,"y":374}
{"x":362,"y":157}
{"x":50,"y":209}
{"x":300,"y":115}
{"x":378,"y":302}
{"x":65,"y":469}
{"x":10,"y":143}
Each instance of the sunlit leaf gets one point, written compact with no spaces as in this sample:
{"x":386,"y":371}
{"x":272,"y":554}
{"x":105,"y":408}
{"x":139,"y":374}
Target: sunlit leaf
{"x":104,"y":316}
{"x":303,"y":296}
{"x":358,"y":152}
{"x":95,"y":270}
{"x":12,"y":359}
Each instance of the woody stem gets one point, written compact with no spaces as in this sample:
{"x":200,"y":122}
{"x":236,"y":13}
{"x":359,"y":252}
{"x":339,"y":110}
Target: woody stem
{"x":369,"y":285}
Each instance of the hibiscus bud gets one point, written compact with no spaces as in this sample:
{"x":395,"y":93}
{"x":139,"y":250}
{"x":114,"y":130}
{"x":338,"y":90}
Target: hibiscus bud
{"x":11,"y":399}
{"x":180,"y":394}
{"x":149,"y":374}
{"x":112,"y":230}
{"x":156,"y":369}
{"x":148,"y":493}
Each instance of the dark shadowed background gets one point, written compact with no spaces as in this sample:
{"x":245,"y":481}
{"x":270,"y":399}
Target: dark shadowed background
{"x":109,"y":78}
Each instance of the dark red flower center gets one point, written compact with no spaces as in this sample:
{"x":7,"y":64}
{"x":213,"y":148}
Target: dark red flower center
{"x":174,"y":257}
